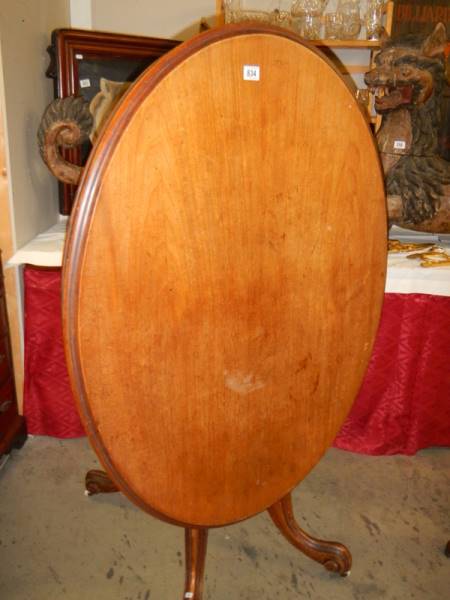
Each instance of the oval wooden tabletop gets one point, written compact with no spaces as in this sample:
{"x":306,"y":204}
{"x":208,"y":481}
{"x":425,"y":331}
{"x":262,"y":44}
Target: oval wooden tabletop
{"x":224,"y":275}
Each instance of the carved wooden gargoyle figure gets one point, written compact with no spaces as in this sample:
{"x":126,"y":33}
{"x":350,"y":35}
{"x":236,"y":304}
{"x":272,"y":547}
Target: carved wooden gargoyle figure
{"x":66,"y":122}
{"x":408,"y":80}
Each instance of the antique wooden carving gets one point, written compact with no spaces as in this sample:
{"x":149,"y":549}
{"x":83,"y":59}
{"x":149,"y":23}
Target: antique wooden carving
{"x":408,"y":79}
{"x":66,"y":123}
{"x":222,"y":244}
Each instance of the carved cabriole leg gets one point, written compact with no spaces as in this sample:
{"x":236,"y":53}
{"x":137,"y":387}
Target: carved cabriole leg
{"x":332,"y":555}
{"x":98,"y":482}
{"x":196,"y":542}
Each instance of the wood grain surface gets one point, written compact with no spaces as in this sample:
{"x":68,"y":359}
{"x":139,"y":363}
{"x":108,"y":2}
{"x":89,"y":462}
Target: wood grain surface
{"x":224,"y":275}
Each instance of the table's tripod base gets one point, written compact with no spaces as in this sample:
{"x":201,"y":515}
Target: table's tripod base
{"x":332,"y":555}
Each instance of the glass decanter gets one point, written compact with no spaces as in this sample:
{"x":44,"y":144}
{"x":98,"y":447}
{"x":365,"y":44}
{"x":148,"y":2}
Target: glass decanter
{"x":351,"y":18}
{"x":307,"y":17}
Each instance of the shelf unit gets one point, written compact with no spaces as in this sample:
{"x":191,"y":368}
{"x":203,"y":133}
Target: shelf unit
{"x":348,"y":44}
{"x":388,"y":12}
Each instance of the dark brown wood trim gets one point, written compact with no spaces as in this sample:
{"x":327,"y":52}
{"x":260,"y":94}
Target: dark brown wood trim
{"x":15,"y":436}
{"x":69,"y":42}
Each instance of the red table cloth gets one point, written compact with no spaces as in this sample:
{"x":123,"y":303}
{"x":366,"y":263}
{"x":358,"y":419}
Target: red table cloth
{"x":48,"y":404}
{"x":403,"y":404}
{"x":404,"y":401}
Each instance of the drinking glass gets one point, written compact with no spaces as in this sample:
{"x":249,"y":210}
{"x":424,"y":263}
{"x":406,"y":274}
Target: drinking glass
{"x":232,"y":10}
{"x":351,"y":19}
{"x":333,"y":26}
{"x":373,"y":19}
{"x":307,"y":17}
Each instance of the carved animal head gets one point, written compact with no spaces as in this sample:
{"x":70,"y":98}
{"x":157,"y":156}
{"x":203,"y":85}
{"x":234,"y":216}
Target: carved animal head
{"x":408,"y":71}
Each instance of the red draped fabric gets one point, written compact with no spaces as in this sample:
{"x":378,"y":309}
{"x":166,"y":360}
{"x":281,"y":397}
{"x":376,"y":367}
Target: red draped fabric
{"x":48,"y":404}
{"x":404,"y":401}
{"x":403,"y":404}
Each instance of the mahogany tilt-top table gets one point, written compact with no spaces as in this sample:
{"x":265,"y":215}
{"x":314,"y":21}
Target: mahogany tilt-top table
{"x":218,"y":311}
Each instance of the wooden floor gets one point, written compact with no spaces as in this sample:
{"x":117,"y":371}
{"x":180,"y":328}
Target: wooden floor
{"x":393,"y":513}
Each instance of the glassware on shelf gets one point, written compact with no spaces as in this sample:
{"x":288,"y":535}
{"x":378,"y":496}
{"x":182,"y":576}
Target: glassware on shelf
{"x":308,"y":26}
{"x":333,"y":26}
{"x":237,"y":11}
{"x":281,"y":18}
{"x":232,"y":10}
{"x":307,"y":17}
{"x":351,"y":18}
{"x":373,"y":19}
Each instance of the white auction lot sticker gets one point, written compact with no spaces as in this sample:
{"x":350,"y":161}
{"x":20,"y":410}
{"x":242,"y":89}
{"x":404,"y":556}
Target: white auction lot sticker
{"x":251,"y":72}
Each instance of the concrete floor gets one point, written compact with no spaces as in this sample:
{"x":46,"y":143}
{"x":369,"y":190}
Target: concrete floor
{"x":55,"y":543}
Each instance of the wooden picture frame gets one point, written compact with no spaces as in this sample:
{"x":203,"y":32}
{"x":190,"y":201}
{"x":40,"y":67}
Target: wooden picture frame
{"x":419,"y":16}
{"x":85,"y":56}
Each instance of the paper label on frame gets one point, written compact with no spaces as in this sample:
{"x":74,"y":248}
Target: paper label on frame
{"x":84,"y":83}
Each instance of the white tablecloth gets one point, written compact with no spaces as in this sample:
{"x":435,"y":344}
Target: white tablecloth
{"x":404,"y":276}
{"x":45,"y":250}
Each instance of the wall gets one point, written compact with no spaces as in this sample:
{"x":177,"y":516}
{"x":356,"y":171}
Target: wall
{"x":25,"y":27}
{"x":80,"y":14}
{"x":28,"y":193}
{"x":168,"y":19}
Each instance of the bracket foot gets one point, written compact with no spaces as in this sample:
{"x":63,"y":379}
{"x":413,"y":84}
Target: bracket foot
{"x":98,"y":482}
